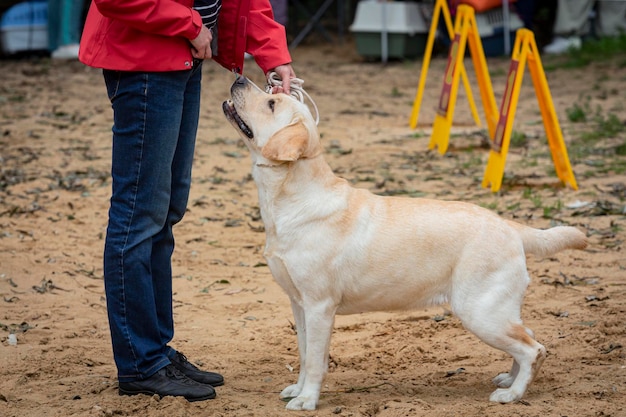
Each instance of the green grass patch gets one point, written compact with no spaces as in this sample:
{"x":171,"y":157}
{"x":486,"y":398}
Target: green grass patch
{"x":593,"y":50}
{"x":578,"y":113}
{"x":518,"y":139}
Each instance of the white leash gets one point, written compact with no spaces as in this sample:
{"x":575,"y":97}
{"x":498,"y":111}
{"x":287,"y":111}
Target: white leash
{"x":296,"y":90}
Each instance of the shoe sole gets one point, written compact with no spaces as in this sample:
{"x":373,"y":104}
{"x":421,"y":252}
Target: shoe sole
{"x":206,"y":397}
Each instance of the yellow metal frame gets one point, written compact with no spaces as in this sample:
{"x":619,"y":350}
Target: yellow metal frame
{"x":441,"y":8}
{"x":525,"y":51}
{"x":465,"y":31}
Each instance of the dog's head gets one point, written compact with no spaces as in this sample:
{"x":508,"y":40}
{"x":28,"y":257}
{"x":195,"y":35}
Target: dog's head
{"x":276,"y":127}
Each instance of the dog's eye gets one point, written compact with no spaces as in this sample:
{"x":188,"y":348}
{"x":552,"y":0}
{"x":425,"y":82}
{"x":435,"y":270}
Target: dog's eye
{"x":271,"y":104}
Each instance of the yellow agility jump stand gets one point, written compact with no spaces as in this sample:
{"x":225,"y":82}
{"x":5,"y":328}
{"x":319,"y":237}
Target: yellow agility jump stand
{"x":525,"y":50}
{"x":465,"y":31}
{"x":441,"y":8}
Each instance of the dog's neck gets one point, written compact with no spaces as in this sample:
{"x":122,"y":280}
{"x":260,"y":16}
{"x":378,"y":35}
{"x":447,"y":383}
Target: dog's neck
{"x":273,"y":177}
{"x":288,"y":180}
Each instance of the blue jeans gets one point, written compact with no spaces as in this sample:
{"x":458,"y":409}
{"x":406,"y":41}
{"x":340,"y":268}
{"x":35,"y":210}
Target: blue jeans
{"x":155,"y":119}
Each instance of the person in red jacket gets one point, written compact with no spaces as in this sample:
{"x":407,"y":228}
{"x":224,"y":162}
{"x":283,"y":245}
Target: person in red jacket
{"x":151,"y":53}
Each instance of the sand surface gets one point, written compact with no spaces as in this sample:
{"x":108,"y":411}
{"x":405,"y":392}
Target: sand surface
{"x":55,"y":128}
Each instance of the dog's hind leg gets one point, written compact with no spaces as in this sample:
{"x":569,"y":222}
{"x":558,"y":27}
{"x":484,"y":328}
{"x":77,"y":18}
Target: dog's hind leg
{"x":319,"y":319}
{"x":492,"y":312}
{"x":505,"y":379}
{"x":529,"y":355}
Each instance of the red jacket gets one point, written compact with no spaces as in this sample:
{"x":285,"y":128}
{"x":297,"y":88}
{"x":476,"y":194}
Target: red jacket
{"x":153,"y":35}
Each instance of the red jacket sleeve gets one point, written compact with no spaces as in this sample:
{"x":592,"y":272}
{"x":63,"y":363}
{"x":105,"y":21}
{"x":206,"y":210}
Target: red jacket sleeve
{"x":267,"y":40}
{"x":249,"y":26}
{"x":159,"y":17}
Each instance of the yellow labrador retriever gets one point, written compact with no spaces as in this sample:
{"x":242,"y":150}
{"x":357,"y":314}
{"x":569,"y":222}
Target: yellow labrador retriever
{"x":335,"y":249}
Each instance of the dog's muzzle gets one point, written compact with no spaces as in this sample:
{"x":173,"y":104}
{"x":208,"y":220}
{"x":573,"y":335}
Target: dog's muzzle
{"x":231,"y":114}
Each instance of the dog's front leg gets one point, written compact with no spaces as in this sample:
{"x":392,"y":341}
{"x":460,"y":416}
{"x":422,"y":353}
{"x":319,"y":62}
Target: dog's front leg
{"x":294,"y":390}
{"x":318,"y":322}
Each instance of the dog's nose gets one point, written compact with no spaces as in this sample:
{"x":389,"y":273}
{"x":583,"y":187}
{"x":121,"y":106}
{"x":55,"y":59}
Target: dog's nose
{"x":240,"y":81}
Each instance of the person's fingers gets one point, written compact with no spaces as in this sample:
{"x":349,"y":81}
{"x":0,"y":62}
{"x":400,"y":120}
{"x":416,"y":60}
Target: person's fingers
{"x":201,"y":45}
{"x":285,"y":73}
{"x":208,"y":52}
{"x":286,"y":85}
{"x":205,"y":53}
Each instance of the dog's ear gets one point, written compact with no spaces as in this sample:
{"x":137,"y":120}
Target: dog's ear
{"x":290,"y":143}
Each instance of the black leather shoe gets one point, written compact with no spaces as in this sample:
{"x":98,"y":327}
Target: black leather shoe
{"x":191,"y":371}
{"x":169,"y":381}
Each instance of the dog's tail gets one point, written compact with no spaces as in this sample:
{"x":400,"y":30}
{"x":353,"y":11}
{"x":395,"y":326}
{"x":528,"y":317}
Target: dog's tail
{"x":550,"y":241}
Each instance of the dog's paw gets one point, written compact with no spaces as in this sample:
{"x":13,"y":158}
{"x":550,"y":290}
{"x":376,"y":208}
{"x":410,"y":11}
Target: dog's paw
{"x":504,"y":380}
{"x":291,"y":391}
{"x":504,"y":396}
{"x":302,"y":403}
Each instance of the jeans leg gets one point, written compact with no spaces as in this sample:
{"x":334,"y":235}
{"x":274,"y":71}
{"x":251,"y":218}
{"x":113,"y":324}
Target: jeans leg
{"x":163,"y":242}
{"x":155,"y":121}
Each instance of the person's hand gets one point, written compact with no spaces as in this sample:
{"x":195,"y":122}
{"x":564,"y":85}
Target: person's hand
{"x":201,"y":46}
{"x":285,"y":73}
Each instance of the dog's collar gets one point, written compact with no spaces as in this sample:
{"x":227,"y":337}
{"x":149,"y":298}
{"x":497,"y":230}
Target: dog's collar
{"x":279,"y":164}
{"x":270,"y":165}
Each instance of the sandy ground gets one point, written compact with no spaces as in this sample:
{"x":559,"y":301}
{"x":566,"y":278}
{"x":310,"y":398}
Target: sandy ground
{"x":55,"y":124}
